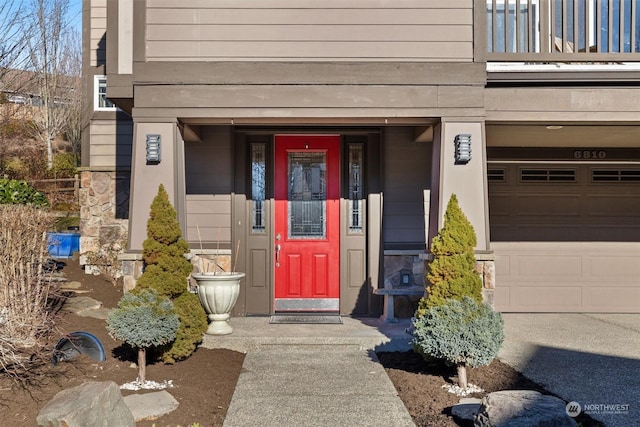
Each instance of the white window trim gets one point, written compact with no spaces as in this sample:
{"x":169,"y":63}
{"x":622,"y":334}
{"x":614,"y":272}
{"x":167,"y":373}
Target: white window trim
{"x":96,"y":94}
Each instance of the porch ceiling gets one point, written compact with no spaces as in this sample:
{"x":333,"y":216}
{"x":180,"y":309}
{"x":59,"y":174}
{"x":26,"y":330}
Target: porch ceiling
{"x":526,"y":135}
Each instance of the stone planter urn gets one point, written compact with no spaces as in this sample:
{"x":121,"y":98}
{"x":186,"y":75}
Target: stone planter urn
{"x":218,"y":293}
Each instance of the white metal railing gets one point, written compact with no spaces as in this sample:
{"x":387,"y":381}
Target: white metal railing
{"x":563,"y":30}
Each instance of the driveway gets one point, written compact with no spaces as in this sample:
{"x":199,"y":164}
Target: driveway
{"x":591,"y":359}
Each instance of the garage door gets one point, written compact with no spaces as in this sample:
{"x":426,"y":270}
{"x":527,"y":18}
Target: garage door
{"x":566,"y":236}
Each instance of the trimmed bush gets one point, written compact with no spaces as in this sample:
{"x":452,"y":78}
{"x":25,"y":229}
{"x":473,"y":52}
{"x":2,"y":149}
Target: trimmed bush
{"x":18,"y":192}
{"x":64,"y":165}
{"x":143,"y":320}
{"x":166,"y":271}
{"x":192,"y":326}
{"x":452,"y":272}
{"x":461,"y":332}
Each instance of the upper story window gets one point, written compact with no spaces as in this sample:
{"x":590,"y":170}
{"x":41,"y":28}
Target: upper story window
{"x":565,"y":26}
{"x":100,"y":100}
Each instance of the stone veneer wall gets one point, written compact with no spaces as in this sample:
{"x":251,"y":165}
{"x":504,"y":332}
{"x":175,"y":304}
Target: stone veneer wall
{"x":415,"y":266}
{"x":398,"y":264}
{"x":104,"y":208}
{"x":104,"y":213}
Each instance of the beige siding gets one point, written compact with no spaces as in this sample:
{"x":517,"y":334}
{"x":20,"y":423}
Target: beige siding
{"x":110,"y":143}
{"x":209,"y":176}
{"x":98,"y":22}
{"x":404,"y":216}
{"x":304,"y":101}
{"x":208,"y":220}
{"x":558,"y":104}
{"x":223,"y":30}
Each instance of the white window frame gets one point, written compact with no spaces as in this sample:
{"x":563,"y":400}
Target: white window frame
{"x":96,"y":94}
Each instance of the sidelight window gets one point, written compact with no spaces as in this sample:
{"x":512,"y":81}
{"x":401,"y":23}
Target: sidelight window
{"x":355,"y":169}
{"x":258,"y":187}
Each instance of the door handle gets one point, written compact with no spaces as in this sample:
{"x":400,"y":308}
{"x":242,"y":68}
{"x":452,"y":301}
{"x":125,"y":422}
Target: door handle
{"x":278,"y":255}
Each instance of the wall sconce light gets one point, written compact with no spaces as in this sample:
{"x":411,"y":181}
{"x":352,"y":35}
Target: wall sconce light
{"x":463,"y":148}
{"x":153,"y":149}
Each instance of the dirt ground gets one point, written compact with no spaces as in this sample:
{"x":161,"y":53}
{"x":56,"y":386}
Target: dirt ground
{"x":204,"y":383}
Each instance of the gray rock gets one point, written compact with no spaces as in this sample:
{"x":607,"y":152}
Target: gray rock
{"x":467,"y":408}
{"x":98,"y":313}
{"x":73,"y":285}
{"x":149,"y":406}
{"x":90,"y":404}
{"x":511,"y":408}
{"x":79,"y":305}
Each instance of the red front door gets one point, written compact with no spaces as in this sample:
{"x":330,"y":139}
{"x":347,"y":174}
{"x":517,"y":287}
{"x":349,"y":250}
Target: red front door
{"x":307,"y":221}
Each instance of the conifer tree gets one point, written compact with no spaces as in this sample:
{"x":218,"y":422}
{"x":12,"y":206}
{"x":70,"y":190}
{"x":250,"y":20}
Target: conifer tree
{"x":461,"y":332}
{"x":143,"y":320}
{"x":452,"y":272}
{"x":166,"y":271}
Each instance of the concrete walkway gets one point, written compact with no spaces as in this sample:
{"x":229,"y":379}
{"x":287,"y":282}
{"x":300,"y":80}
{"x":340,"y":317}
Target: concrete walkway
{"x":592,"y":359}
{"x":314,"y":375}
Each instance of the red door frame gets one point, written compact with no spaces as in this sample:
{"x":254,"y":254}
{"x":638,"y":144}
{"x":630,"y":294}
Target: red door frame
{"x":307,"y":271}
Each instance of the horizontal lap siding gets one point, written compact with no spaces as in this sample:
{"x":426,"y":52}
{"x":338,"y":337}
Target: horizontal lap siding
{"x":98,"y":22}
{"x":408,"y":30}
{"x":404,"y":193}
{"x":208,"y":189}
{"x":110,"y":143}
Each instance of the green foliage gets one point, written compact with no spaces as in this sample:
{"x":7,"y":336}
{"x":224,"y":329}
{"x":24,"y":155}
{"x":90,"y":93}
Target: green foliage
{"x":164,"y":237}
{"x":143,"y":320}
{"x":166,"y":271}
{"x":14,"y":167}
{"x":193,"y":323}
{"x":460,"y":331}
{"x":64,"y":165}
{"x":63,"y":223}
{"x":452,"y":272}
{"x":16,"y":192}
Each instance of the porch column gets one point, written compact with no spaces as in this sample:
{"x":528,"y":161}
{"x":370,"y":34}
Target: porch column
{"x":147,"y":176}
{"x":468,"y":181}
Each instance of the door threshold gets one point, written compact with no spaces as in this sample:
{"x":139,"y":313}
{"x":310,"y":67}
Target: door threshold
{"x":306,"y":319}
{"x":303,"y":305}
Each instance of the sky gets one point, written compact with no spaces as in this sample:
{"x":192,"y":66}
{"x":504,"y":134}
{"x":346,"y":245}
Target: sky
{"x":75,"y":14}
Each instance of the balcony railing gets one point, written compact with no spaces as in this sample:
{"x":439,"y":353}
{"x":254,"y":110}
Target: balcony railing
{"x":563,"y":30}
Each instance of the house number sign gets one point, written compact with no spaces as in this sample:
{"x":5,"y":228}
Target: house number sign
{"x":589,"y":154}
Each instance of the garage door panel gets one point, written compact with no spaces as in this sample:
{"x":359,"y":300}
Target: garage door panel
{"x":620,"y":266}
{"x":541,"y":266}
{"x":542,"y":232}
{"x":503,"y":265}
{"x":502,"y":297}
{"x":571,"y":246}
{"x":614,"y":205}
{"x":619,"y":299}
{"x":549,"y":276}
{"x":547,"y":204}
{"x":500,"y":205}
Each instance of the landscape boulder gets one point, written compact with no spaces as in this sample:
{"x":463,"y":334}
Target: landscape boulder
{"x":522,"y":408}
{"x":90,"y":404}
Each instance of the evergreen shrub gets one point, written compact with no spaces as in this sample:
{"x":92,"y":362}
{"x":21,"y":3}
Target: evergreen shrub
{"x":452,"y":272}
{"x":461,"y":332}
{"x":143,"y":320}
{"x":166,"y":271}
